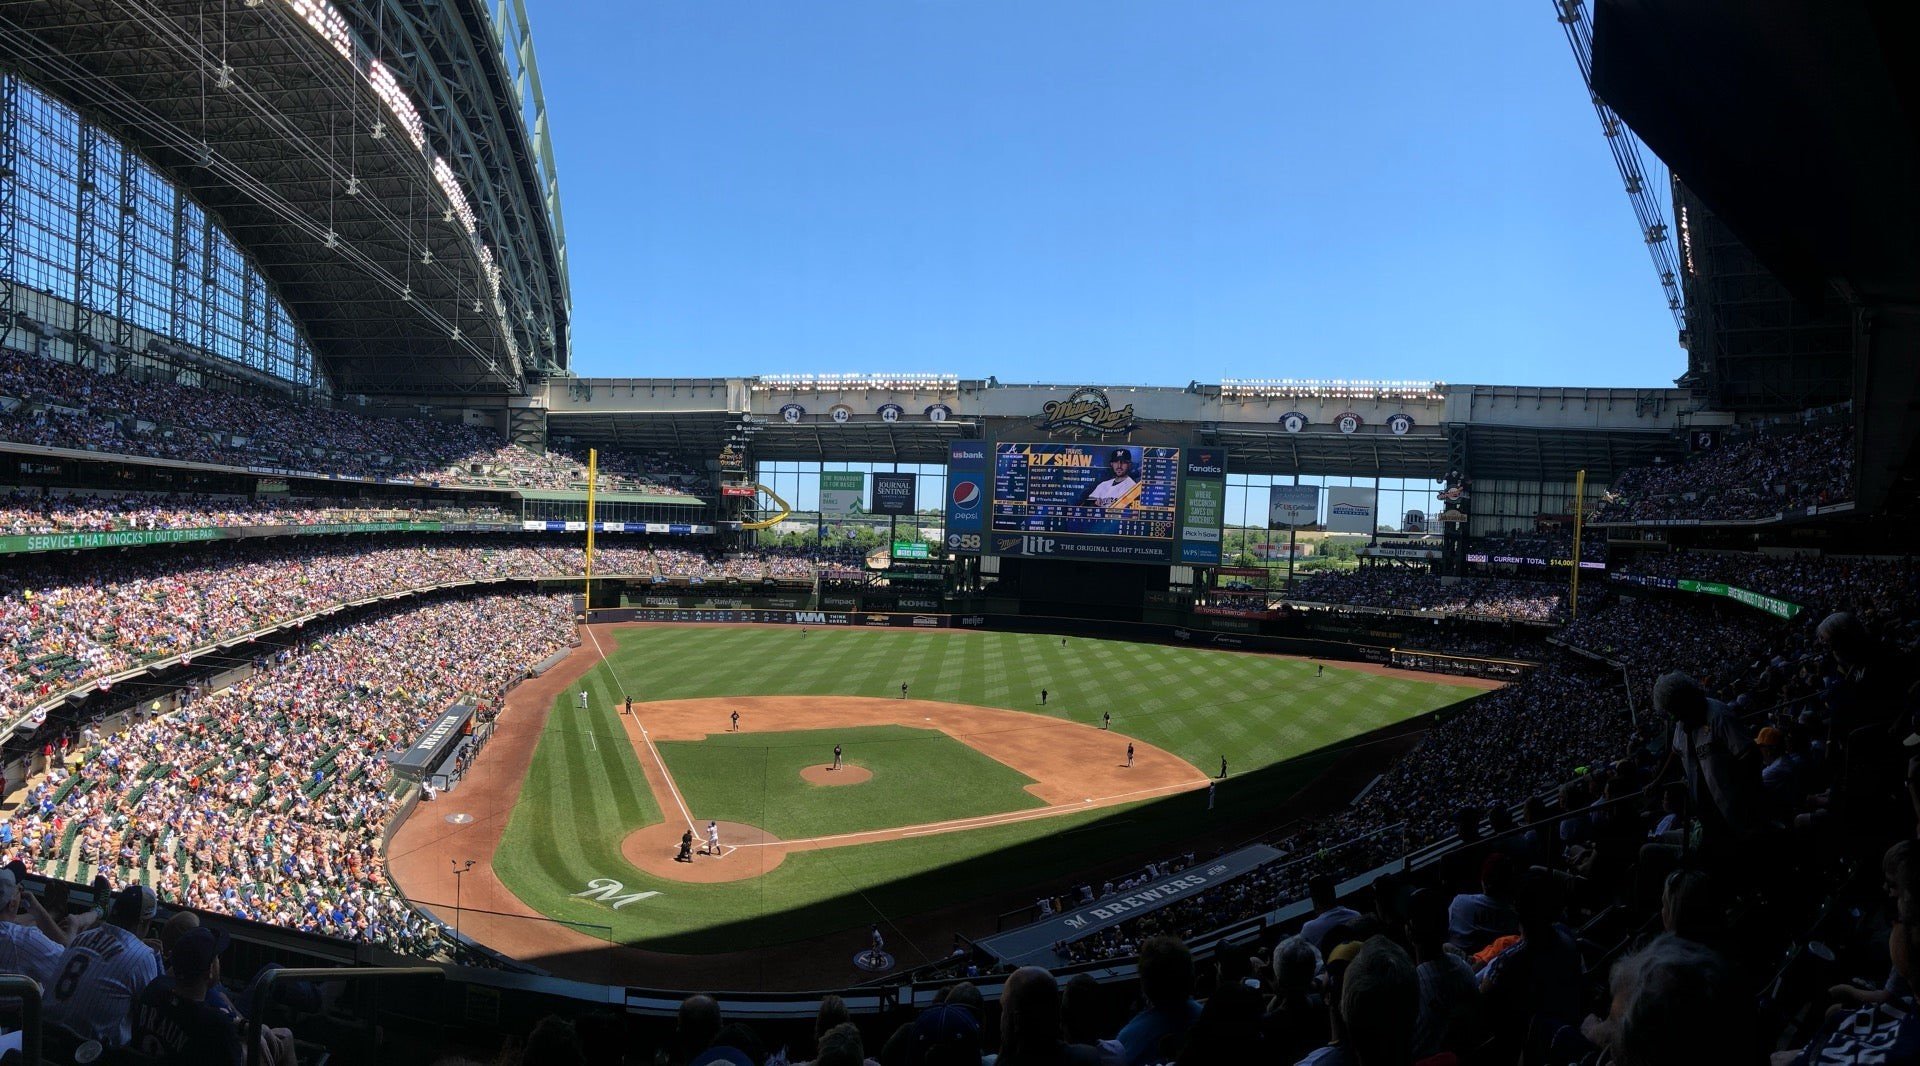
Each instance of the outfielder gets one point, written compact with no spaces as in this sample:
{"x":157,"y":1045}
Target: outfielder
{"x":583,"y":699}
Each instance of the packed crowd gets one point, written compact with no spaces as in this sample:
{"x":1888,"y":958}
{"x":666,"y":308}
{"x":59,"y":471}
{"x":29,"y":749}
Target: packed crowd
{"x":23,"y":512}
{"x":62,"y":405}
{"x":1814,"y":582}
{"x":1759,"y":475}
{"x":267,"y":800}
{"x":1409,"y":589}
{"x":71,"y":620}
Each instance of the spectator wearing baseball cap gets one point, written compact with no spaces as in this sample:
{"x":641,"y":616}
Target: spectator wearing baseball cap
{"x":946,"y":1034}
{"x":105,"y":967}
{"x":172,"y":1019}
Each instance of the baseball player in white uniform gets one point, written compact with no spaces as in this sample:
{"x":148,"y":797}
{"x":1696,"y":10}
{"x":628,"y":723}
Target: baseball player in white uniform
{"x":583,"y":699}
{"x":1113,"y":490}
{"x":96,"y":979}
{"x":713,"y":838}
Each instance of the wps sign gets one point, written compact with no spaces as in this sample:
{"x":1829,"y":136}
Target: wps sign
{"x":1351,"y":510}
{"x":1293,"y":506}
{"x":894,"y":494}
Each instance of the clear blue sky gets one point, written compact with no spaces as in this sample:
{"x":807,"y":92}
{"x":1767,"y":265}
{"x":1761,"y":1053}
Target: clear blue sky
{"x":1117,"y":191}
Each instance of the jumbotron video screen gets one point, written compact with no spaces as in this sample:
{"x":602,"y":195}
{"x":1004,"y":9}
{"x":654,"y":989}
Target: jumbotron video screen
{"x":1099,"y":490}
{"x":1123,"y":503}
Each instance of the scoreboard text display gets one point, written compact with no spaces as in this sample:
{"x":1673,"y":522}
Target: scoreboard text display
{"x":1089,"y":501}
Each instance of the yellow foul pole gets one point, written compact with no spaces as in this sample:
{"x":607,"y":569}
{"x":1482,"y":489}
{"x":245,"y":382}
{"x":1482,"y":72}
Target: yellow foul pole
{"x":1579,"y":519}
{"x":593,"y":478}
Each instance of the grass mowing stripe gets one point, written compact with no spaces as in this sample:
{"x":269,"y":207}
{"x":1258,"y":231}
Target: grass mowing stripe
{"x":1199,"y":704}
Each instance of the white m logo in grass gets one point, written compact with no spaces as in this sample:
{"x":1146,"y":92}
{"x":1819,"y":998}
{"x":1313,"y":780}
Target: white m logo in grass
{"x":607,"y":890}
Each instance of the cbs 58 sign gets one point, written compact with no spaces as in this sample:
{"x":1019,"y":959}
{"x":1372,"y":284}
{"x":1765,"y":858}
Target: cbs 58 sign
{"x":963,"y":542}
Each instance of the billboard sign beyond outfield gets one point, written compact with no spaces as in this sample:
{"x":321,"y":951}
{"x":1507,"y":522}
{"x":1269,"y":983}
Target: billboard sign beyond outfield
{"x":893,"y":494}
{"x":1203,"y":506}
{"x":966,"y":497}
{"x":1351,"y":510}
{"x":842,"y":492}
{"x":1293,"y":506}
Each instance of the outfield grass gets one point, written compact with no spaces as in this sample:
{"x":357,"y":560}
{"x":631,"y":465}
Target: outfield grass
{"x":1199,"y":704}
{"x":585,"y":792}
{"x":919,"y":776}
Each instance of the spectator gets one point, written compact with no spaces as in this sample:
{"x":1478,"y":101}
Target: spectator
{"x":1538,"y":979}
{"x":1228,"y":1029}
{"x":695,"y":1026}
{"x":553,"y":1042}
{"x":172,"y":1019}
{"x":1296,"y":1020}
{"x":1166,"y":982}
{"x":1329,"y":914}
{"x":1379,"y":1001}
{"x":1030,"y":1026}
{"x":1086,"y":1019}
{"x":1679,"y":1005}
{"x":1449,"y":1010}
{"x":30,"y":943}
{"x":946,"y":1034}
{"x":103,"y":969}
{"x":1476,"y":919}
{"x":839,"y":1046}
{"x":1717,"y":760}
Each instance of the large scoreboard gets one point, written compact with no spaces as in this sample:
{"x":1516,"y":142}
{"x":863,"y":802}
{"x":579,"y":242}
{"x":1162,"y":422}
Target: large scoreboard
{"x":1154,"y":504}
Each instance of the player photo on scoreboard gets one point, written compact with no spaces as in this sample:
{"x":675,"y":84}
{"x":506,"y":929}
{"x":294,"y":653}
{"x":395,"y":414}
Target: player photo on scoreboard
{"x":1117,"y":484}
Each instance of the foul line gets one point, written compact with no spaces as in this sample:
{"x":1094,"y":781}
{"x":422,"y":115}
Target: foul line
{"x":672,"y":789}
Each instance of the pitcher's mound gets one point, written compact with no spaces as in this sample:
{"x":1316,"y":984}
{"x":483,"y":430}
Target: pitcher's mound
{"x":745,"y":851}
{"x":848,"y":774}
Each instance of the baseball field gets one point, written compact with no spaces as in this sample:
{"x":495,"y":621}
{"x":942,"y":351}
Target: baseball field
{"x":965,"y":785}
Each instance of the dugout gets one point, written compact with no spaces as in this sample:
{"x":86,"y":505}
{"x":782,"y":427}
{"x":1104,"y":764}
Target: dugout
{"x":435,"y":745}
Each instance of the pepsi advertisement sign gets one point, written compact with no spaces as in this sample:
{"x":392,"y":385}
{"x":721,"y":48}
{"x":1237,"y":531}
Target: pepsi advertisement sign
{"x":966,"y":497}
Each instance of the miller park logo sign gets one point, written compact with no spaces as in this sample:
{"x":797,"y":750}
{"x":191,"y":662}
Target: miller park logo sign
{"x":1086,"y":413}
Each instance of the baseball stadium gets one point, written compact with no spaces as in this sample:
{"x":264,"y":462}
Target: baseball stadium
{"x":378,"y":689}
